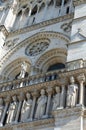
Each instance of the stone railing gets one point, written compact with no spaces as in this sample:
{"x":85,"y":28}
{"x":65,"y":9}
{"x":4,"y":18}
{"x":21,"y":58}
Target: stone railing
{"x":73,"y":65}
{"x":40,"y":78}
{"x":31,"y":80}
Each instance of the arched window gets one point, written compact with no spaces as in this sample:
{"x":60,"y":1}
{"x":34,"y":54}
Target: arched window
{"x":56,"y":67}
{"x":42,"y":6}
{"x":59,"y":2}
{"x":26,"y":12}
{"x":34,"y":11}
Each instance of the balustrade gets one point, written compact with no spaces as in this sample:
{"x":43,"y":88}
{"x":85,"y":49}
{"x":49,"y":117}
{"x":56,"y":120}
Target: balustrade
{"x":31,"y":80}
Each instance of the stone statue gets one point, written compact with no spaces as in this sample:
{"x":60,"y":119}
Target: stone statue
{"x":72,"y":93}
{"x":12,"y":110}
{"x":23,"y":70}
{"x":56,"y":99}
{"x":41,"y":105}
{"x":1,"y":108}
{"x":15,"y":6}
{"x":26,"y":108}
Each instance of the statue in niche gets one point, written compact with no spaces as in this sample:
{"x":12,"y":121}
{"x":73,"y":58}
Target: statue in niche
{"x":26,"y":108}
{"x":12,"y":110}
{"x":56,"y":99}
{"x":72,"y":93}
{"x":23,"y":70}
{"x":15,"y":6}
{"x":41,"y":105}
{"x":1,"y":108}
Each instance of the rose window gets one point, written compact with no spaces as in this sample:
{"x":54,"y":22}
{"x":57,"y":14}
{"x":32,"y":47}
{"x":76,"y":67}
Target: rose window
{"x":36,"y":48}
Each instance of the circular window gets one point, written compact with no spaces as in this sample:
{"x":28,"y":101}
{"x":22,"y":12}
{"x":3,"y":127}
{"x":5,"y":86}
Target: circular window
{"x":36,"y":48}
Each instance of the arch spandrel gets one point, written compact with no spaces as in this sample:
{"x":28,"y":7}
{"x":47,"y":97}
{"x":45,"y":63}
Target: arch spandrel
{"x":31,"y":40}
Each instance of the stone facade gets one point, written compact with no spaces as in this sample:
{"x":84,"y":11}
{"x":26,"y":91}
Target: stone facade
{"x":42,"y":64}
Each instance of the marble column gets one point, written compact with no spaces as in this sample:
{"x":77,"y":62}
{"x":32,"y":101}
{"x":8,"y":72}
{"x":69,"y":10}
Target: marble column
{"x":81,"y":80}
{"x":35,"y":95}
{"x":21,"y":98}
{"x":63,"y":96}
{"x":7,"y":101}
{"x":49,"y":91}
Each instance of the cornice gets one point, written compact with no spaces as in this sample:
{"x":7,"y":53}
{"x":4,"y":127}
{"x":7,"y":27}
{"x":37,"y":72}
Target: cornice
{"x":78,"y":2}
{"x":30,"y":88}
{"x":31,"y":125}
{"x":67,"y":112}
{"x":41,"y":25}
{"x":73,"y":72}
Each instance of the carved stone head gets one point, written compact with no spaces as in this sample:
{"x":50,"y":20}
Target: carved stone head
{"x":42,"y":92}
{"x":14,"y":98}
{"x":72,"y":80}
{"x":57,"y":88}
{"x":28,"y":95}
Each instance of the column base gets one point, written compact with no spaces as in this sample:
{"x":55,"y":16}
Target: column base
{"x":58,"y":108}
{"x":79,"y":105}
{"x":1,"y":124}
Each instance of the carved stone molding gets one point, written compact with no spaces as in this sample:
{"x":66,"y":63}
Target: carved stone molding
{"x":78,"y":2}
{"x":60,"y":113}
{"x":35,"y":124}
{"x":41,"y":25}
{"x":58,"y":55}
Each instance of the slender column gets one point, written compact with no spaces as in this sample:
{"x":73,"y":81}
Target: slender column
{"x":45,"y":10}
{"x":34,"y":94}
{"x":49,"y":91}
{"x":62,"y":5}
{"x":81,"y":79}
{"x":71,"y":6}
{"x":63,"y":96}
{"x":29,"y":16}
{"x":7,"y":101}
{"x":21,"y":98}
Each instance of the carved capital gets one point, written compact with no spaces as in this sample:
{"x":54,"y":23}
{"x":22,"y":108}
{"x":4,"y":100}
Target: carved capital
{"x":35,"y":94}
{"x":81,"y":78}
{"x":7,"y":99}
{"x":49,"y":91}
{"x":21,"y":96}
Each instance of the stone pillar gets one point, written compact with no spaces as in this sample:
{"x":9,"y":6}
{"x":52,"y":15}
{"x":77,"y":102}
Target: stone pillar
{"x":21,"y":98}
{"x":45,"y":10}
{"x":49,"y":91}
{"x":34,"y":94}
{"x":29,"y":16}
{"x":7,"y":101}
{"x":71,"y":6}
{"x":81,"y":79}
{"x":62,"y":5}
{"x":63,"y":96}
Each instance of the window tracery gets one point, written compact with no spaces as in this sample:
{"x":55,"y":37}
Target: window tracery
{"x":36,"y":48}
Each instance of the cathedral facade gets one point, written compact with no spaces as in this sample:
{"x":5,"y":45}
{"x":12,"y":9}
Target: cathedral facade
{"x":42,"y":64}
